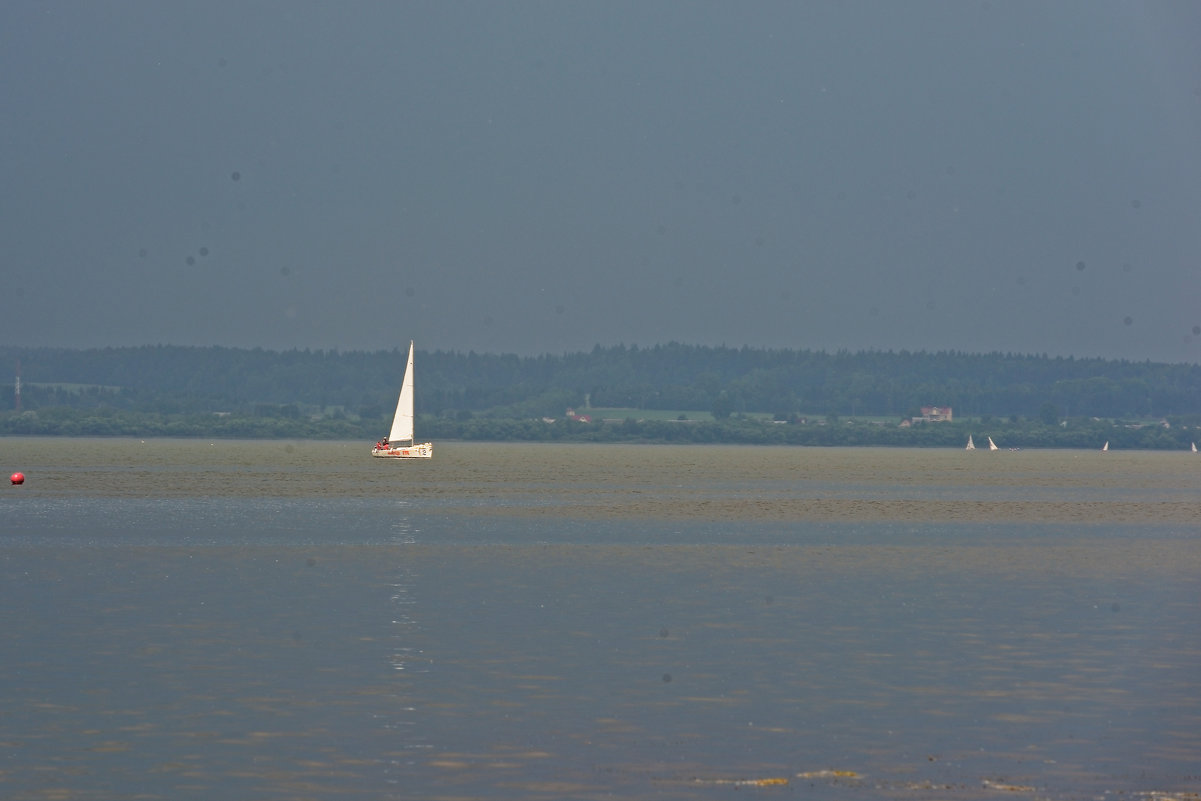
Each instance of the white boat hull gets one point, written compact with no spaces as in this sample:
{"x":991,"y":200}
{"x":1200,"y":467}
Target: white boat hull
{"x":424,"y":450}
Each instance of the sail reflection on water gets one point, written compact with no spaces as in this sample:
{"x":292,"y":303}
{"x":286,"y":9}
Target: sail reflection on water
{"x":403,"y":602}
{"x":406,"y":656}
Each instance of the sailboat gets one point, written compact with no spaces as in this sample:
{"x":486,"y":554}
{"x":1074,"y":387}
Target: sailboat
{"x":1194,"y":447}
{"x":400,"y":444}
{"x":992,"y":446}
{"x":1105,"y":447}
{"x":971,"y":446}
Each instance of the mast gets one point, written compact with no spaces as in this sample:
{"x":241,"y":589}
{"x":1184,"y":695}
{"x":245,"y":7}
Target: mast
{"x":18,"y":386}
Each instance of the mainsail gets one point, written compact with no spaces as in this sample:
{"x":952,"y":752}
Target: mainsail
{"x":402,"y":422}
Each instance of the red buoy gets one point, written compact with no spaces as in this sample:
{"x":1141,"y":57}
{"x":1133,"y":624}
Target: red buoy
{"x":18,"y":478}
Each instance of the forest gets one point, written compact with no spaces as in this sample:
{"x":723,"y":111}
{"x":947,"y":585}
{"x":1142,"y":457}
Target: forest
{"x":671,"y":392}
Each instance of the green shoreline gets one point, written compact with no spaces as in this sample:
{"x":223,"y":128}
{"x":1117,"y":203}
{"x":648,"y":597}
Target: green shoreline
{"x":1088,"y":434}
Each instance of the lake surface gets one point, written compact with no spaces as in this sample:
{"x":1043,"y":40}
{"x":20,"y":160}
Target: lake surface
{"x":195,"y":619}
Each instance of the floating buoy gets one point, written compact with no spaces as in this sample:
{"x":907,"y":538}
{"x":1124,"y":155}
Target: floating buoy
{"x":18,"y":478}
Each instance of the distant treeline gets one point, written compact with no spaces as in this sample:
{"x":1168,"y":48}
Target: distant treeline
{"x":360,"y":386}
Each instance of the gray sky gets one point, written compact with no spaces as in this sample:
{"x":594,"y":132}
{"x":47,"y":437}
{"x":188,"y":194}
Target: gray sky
{"x":541,"y":177}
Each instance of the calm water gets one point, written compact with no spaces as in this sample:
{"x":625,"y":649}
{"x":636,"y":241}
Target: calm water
{"x":186,"y":619}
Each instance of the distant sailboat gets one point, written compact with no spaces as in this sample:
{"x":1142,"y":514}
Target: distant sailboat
{"x":992,"y":446}
{"x":1194,"y":447}
{"x":971,"y":446}
{"x":1105,"y":447}
{"x":400,"y":444}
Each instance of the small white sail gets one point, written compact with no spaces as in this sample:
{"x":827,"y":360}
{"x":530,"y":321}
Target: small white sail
{"x":1194,"y":447}
{"x":402,"y":421}
{"x":971,"y":446}
{"x":1105,"y":447}
{"x":992,"y":446}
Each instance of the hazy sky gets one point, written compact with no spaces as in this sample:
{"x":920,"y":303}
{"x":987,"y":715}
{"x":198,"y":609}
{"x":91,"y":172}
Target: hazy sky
{"x":541,"y":177}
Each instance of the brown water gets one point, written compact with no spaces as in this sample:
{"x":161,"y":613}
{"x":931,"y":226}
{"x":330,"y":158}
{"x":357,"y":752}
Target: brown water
{"x":186,"y":619}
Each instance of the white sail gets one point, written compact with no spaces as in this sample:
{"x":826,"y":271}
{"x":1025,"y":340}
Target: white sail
{"x":402,"y":421}
{"x":992,"y":446}
{"x":1105,"y":447}
{"x":971,"y":446}
{"x":1194,"y":447}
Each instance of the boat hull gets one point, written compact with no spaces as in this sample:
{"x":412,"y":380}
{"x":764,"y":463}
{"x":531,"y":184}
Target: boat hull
{"x":424,"y":450}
